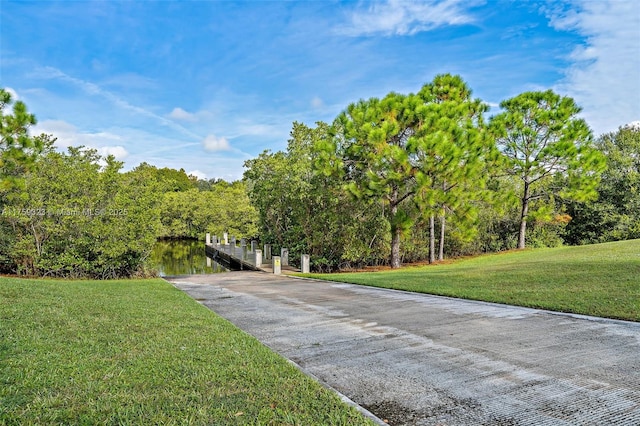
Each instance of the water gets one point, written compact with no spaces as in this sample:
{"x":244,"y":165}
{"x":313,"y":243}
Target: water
{"x":183,"y":257}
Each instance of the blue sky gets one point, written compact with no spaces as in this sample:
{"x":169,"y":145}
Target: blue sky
{"x":206,"y":85}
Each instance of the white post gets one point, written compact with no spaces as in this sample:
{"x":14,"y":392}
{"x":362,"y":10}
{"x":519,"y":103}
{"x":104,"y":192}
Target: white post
{"x":226,"y":239}
{"x":305,"y":263}
{"x":267,"y":251}
{"x":277,"y":269}
{"x":284,"y":255}
{"x":254,"y":245}
{"x":208,"y":239}
{"x":258,"y":259}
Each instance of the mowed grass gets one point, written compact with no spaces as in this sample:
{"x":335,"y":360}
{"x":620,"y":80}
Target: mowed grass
{"x":142,"y":352}
{"x":601,"y":280}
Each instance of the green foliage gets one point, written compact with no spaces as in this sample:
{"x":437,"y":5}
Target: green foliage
{"x":417,"y":154}
{"x":125,"y":352}
{"x":376,"y":182}
{"x":615,"y":215}
{"x":170,"y":180}
{"x":367,"y":190}
{"x":454,"y":154}
{"x":307,"y":211}
{"x":372,"y":138}
{"x":190,"y":207}
{"x":223,"y":207}
{"x":104,"y":227}
{"x":541,"y":138}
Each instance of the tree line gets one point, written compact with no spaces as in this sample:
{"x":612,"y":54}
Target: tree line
{"x":405,"y":178}
{"x":413,"y":177}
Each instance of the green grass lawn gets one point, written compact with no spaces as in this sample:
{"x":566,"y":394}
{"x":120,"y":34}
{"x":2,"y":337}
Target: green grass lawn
{"x":601,"y":279}
{"x":142,"y":352}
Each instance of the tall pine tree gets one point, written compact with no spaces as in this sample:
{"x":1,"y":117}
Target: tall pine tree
{"x":416,"y":150}
{"x":541,"y":137}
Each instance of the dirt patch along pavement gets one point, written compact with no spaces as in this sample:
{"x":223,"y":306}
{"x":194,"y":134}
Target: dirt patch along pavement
{"x":415,"y":359}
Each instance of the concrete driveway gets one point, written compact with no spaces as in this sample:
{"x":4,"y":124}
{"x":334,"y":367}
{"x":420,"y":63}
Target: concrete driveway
{"x":415,"y":359}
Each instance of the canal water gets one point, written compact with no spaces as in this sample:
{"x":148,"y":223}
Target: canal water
{"x":183,"y":257}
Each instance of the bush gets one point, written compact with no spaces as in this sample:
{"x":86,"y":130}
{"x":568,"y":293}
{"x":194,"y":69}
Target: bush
{"x":78,"y":216}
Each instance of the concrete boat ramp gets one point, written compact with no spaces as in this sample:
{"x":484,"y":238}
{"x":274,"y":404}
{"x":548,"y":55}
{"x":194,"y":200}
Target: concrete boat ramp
{"x":414,"y":359}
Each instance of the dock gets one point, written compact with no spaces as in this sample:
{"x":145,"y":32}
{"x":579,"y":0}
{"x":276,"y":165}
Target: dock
{"x":242,"y":258}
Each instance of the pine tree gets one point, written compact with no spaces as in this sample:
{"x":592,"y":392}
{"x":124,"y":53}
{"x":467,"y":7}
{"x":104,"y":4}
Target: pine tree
{"x":541,"y":137}
{"x":17,"y":149}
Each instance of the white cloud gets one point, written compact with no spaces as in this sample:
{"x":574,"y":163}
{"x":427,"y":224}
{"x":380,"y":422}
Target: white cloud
{"x":214,"y":143}
{"x":635,"y":125}
{"x":399,"y":17}
{"x":197,"y":173}
{"x":317,"y":103}
{"x":605,"y":75}
{"x":67,"y":135}
{"x":119,"y":152}
{"x":180,"y":114}
{"x":14,"y":95}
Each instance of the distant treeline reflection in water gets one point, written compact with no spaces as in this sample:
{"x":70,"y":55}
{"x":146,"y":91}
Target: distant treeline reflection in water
{"x":183,"y":257}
